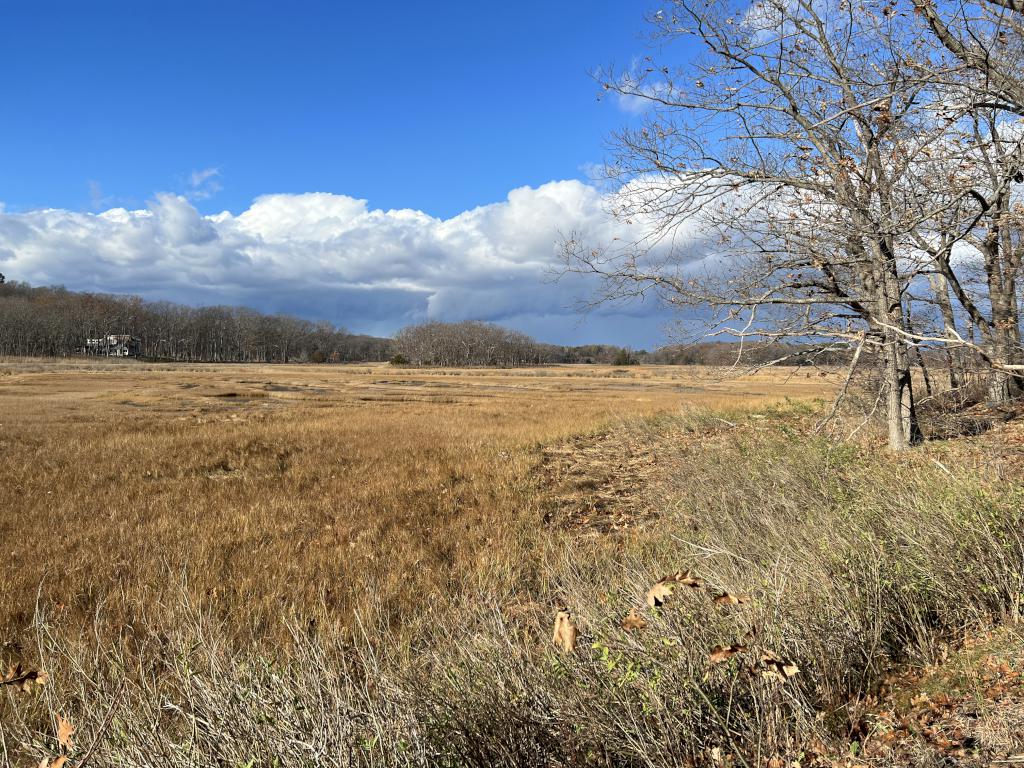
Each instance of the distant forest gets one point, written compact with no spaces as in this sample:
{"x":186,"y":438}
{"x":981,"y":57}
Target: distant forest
{"x":54,"y":322}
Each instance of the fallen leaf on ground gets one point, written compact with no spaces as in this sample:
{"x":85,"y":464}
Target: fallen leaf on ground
{"x":727,"y":598}
{"x":722,"y":653}
{"x":662,"y":589}
{"x":23,"y":679}
{"x":659,"y":593}
{"x":633,"y":620}
{"x":687,"y":579}
{"x":774,"y":668}
{"x":64,"y":732}
{"x":565,"y":632}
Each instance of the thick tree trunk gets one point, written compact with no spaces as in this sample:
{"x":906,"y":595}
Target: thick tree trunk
{"x":1004,"y":334}
{"x":1004,"y":386}
{"x":1004,"y":349}
{"x":900,"y":412}
{"x":1000,"y":389}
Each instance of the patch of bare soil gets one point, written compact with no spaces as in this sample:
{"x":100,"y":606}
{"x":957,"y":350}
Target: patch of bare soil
{"x":602,"y":483}
{"x":596,"y":482}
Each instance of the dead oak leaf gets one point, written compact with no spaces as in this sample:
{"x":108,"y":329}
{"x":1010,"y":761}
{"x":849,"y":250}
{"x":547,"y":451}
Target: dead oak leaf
{"x":659,"y":592}
{"x":663,"y":588}
{"x":722,"y":653}
{"x":565,"y":631}
{"x":65,"y":730}
{"x":633,"y":620}
{"x":774,"y":668}
{"x":727,"y":598}
{"x":23,"y":679}
{"x":687,"y":579}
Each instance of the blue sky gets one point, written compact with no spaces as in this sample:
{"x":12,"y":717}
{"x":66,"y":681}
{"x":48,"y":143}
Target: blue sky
{"x":435,"y":108}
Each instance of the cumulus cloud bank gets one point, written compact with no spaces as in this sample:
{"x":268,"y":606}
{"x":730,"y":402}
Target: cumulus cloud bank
{"x":328,"y":256}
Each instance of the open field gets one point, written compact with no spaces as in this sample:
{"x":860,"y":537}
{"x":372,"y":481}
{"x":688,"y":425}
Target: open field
{"x":295,"y":488}
{"x":360,"y":566}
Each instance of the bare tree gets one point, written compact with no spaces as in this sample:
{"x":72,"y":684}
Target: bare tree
{"x":977,"y":249}
{"x":972,"y":241}
{"x":984,"y":37}
{"x":468,"y":343}
{"x":787,"y":147}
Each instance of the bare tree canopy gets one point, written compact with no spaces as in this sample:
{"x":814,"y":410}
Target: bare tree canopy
{"x":845,"y":179}
{"x":468,"y":343}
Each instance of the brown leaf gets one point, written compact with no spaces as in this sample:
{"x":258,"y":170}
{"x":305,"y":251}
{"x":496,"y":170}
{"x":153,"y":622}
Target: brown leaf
{"x":58,"y":763}
{"x":774,"y":668}
{"x":687,"y":579}
{"x":659,"y":592}
{"x":722,"y":653}
{"x":727,"y":598}
{"x":64,"y":732}
{"x":565,"y":633}
{"x":23,"y":679}
{"x":633,"y":620}
{"x":662,"y":589}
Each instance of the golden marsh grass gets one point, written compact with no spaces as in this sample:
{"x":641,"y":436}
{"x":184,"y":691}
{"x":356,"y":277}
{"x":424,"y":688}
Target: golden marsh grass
{"x":272,"y":489}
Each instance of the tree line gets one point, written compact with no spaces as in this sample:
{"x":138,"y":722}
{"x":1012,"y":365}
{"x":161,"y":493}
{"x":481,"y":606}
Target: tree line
{"x":853,"y":167}
{"x":475,"y":343}
{"x":55,"y":322}
{"x":47,"y":321}
{"x":468,"y":343}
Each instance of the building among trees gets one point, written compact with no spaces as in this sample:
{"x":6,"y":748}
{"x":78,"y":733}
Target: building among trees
{"x":114,"y":345}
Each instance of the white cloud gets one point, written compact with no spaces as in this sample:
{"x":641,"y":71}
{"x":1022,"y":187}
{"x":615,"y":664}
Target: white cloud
{"x":331,"y":256}
{"x":204,"y":184}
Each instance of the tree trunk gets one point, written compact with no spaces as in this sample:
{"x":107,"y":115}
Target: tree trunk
{"x":900,"y":413}
{"x":1004,"y":335}
{"x":940,"y":290}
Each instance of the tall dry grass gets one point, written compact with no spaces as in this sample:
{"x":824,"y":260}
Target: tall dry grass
{"x":856,"y":563}
{"x":278,"y":489}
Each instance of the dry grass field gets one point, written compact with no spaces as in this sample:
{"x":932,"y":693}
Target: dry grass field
{"x":277,"y":489}
{"x":360,"y":566}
